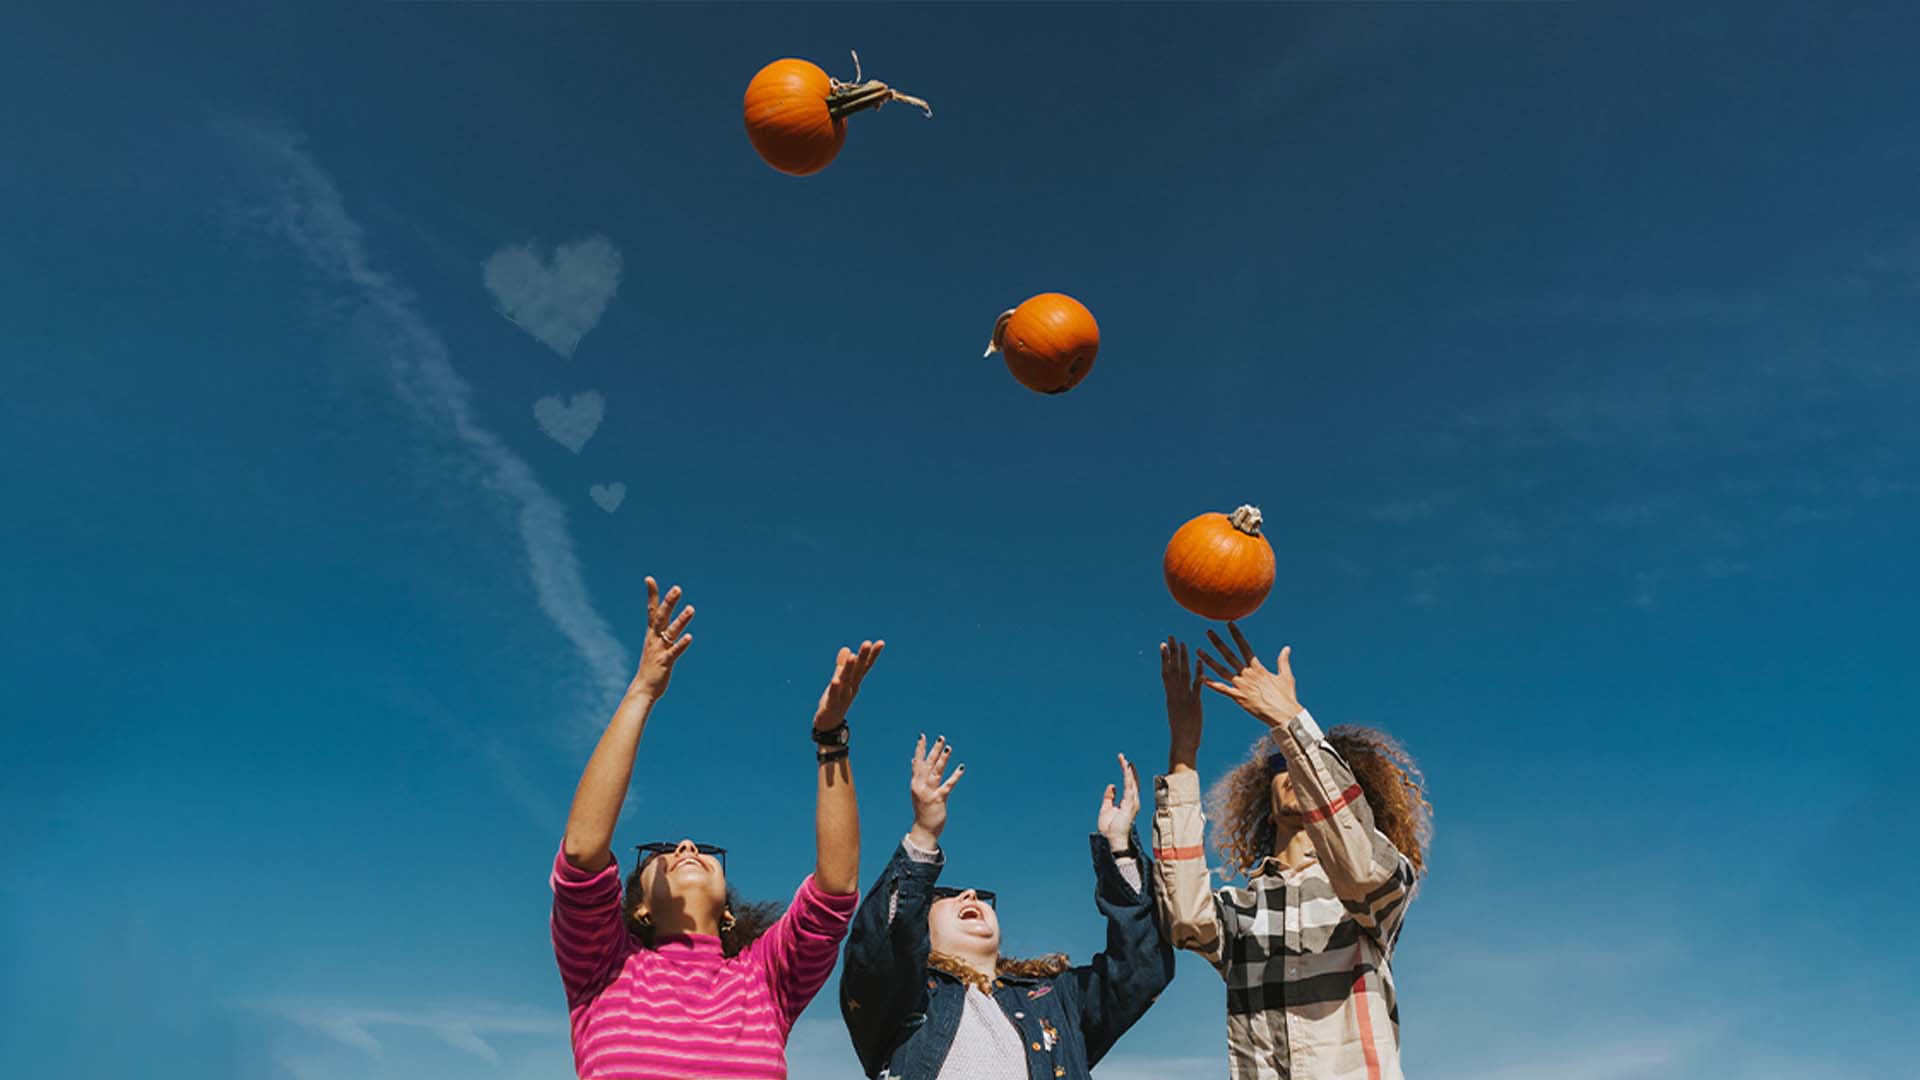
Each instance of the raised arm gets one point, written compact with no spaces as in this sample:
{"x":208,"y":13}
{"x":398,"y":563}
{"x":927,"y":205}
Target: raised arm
{"x":885,"y":975}
{"x":603,"y":785}
{"x":1370,"y":875}
{"x":1184,"y":893}
{"x":1114,"y":991}
{"x":589,"y":931}
{"x":836,"y":819}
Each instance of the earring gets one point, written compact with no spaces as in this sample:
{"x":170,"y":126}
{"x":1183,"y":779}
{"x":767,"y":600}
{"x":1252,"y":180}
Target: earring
{"x":726,"y":921}
{"x":643,"y":919}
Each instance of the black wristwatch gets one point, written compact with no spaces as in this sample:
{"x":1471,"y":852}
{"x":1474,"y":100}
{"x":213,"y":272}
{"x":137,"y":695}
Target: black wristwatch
{"x":832,"y":737}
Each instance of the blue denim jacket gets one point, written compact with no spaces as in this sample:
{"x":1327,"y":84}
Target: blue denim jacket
{"x":903,"y":1015}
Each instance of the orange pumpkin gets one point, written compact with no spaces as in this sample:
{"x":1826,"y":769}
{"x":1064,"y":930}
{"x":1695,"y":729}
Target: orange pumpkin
{"x":1049,"y":342}
{"x":796,"y":113}
{"x":1218,"y":566}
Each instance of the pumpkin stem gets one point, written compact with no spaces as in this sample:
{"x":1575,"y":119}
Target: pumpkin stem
{"x":999,"y":330}
{"x":847,"y":98}
{"x":1246,"y":519}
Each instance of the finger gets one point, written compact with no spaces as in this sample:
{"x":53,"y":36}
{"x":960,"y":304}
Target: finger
{"x":1240,"y":639}
{"x":857,"y":667}
{"x":1132,"y":776}
{"x":1219,"y":668}
{"x":1285,"y":664}
{"x":940,"y":758}
{"x":668,"y":601}
{"x":1166,"y":659}
{"x":678,"y":647}
{"x":653,"y":594}
{"x":679,"y":625}
{"x":920,"y":751}
{"x":952,"y":780}
{"x":1224,"y":688}
{"x":1220,"y":647}
{"x":1198,"y":675}
{"x":1181,"y":648}
{"x":1106,"y":800}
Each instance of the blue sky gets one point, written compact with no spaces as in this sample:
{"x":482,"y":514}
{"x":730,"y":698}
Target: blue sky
{"x":1568,"y":349}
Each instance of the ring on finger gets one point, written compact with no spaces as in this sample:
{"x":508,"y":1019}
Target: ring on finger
{"x":664,"y":639}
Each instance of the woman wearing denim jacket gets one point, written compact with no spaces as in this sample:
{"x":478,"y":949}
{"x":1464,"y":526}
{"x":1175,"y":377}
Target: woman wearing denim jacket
{"x":926,"y":994}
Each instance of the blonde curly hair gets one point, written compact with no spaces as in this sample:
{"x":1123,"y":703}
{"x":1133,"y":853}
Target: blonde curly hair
{"x":1241,"y":803}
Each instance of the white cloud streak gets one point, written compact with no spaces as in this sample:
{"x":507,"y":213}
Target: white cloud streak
{"x":313,"y":214}
{"x":461,"y":1026}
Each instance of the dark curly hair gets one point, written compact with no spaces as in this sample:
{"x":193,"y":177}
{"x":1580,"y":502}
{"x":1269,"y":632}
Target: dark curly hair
{"x":750,"y":918}
{"x":1241,"y":803}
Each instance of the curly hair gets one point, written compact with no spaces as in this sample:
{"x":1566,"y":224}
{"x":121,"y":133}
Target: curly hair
{"x":750,"y":918}
{"x":1241,"y":803}
{"x":1039,"y":967}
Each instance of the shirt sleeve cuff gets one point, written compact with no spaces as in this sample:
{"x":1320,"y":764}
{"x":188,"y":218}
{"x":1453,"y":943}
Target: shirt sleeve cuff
{"x":813,"y":897}
{"x":1305,"y":731}
{"x":572,"y":882}
{"x":919,"y":854}
{"x":1177,"y":789}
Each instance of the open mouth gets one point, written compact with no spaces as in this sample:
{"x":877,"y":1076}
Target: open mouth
{"x":685,"y":860}
{"x":972,"y":911}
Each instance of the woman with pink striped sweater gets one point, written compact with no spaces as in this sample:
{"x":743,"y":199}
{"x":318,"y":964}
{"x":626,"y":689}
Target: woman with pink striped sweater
{"x":672,"y":982}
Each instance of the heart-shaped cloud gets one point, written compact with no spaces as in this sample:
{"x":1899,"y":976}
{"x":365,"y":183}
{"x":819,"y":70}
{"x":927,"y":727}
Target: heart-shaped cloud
{"x":571,"y":423}
{"x":609,"y":496}
{"x":556,"y":302}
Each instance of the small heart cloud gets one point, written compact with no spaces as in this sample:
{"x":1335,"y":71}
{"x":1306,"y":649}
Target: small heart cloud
{"x":558,"y":301}
{"x":609,"y":496}
{"x":571,"y":423}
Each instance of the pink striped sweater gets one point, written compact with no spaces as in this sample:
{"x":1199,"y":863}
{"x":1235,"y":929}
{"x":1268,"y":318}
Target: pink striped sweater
{"x":682,"y":1010}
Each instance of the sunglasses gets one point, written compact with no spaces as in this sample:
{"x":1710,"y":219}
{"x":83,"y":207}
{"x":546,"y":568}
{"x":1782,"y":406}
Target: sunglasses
{"x":1276,"y":763}
{"x":985,"y":896}
{"x":648,"y":851}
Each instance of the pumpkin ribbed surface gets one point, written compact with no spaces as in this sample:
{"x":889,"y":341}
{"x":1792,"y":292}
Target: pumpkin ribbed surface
{"x":1218,"y":566}
{"x":787,"y":117}
{"x":1049,"y":342}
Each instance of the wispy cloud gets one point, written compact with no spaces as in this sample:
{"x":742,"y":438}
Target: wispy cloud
{"x":463,"y":1026}
{"x":494,"y":754}
{"x":312,"y":213}
{"x":1498,"y":565}
{"x":1646,"y":590}
{"x":1627,"y":515}
{"x":1796,"y":515}
{"x":559,"y":300}
{"x":1402,"y":511}
{"x":1423,"y":591}
{"x":1720,"y":567}
{"x":1597,"y":1059}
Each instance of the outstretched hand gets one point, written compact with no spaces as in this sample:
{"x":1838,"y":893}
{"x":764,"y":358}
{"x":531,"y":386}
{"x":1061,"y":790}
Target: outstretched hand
{"x":1269,"y":695}
{"x":929,"y":791}
{"x":666,"y":639}
{"x":848,"y":669}
{"x":1181,"y":679}
{"x":1116,"y":819}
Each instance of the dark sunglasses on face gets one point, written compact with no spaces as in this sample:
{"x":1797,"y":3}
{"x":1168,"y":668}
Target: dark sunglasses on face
{"x":941,"y":892}
{"x":648,"y":851}
{"x":1276,"y":763}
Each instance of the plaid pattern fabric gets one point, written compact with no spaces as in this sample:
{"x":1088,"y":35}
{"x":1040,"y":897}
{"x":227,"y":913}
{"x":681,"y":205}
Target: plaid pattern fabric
{"x":1304,"y":953}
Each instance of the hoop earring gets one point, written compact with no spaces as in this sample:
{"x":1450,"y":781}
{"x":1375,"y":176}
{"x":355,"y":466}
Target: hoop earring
{"x":643,"y":919}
